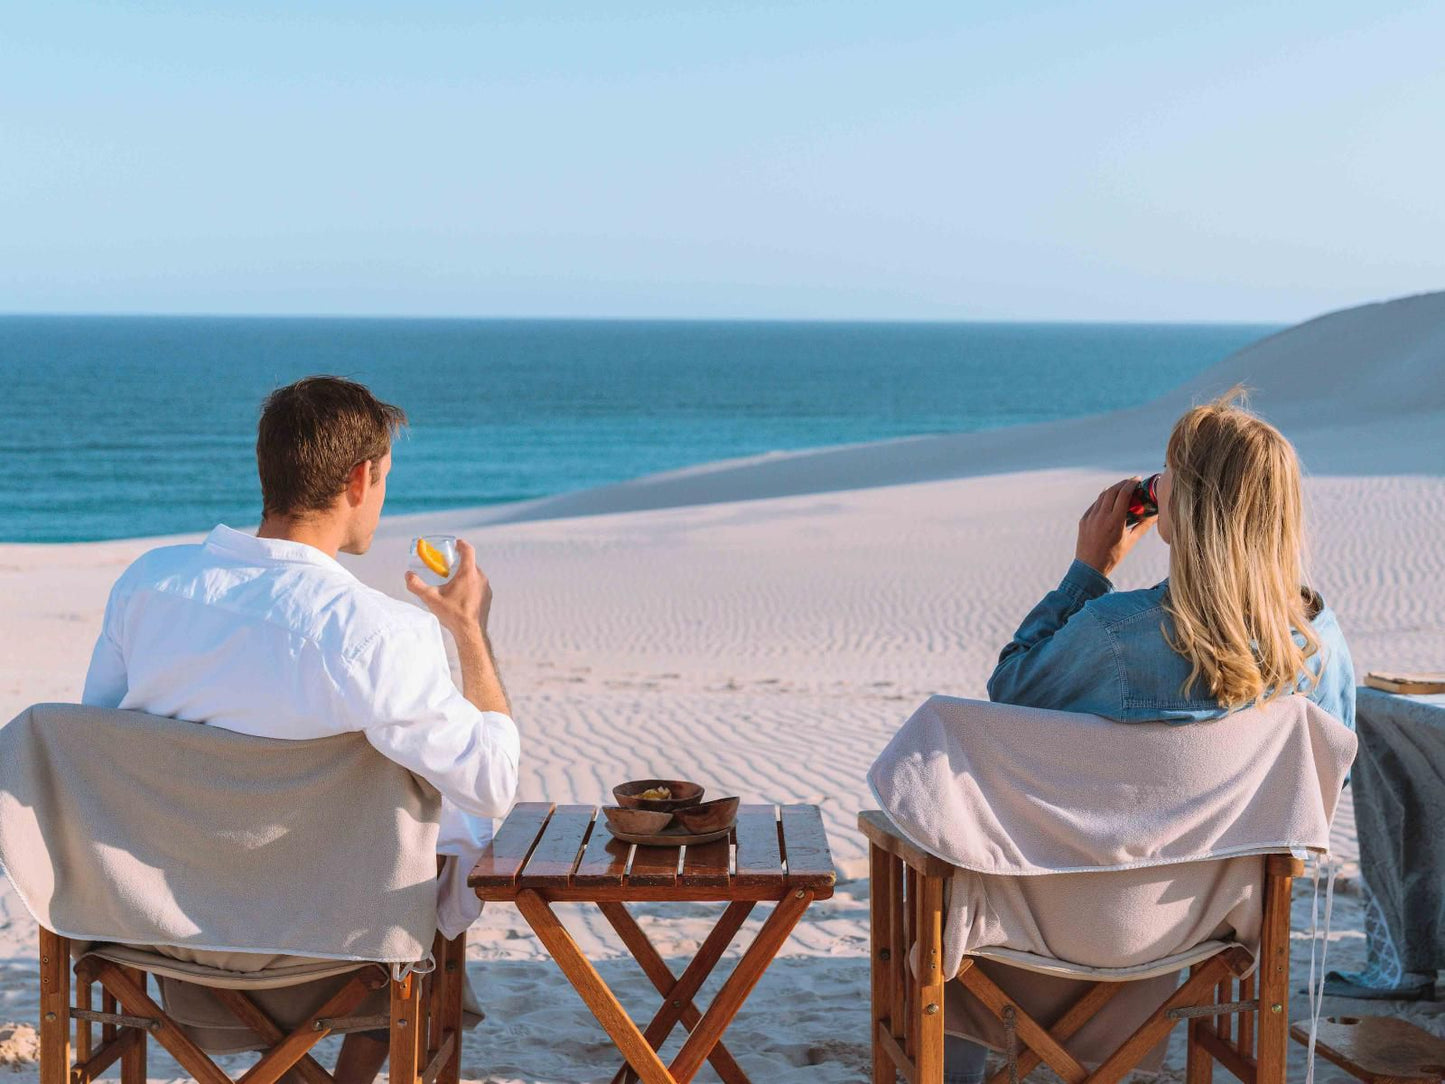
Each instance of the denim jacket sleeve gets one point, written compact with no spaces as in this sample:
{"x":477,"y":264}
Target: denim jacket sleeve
{"x":1061,"y":657}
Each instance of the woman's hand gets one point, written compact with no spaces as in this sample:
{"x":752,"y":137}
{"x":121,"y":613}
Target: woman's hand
{"x":1105,"y":536}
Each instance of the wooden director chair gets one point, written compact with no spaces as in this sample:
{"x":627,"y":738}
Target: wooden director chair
{"x":108,"y":837}
{"x":1240,"y":1021}
{"x":423,"y":1019}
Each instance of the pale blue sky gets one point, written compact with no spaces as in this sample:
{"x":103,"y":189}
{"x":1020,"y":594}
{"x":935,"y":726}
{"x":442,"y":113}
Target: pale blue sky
{"x":1139,"y":161}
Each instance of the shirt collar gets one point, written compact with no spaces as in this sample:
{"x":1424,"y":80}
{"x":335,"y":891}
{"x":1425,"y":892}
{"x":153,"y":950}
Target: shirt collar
{"x":225,"y":539}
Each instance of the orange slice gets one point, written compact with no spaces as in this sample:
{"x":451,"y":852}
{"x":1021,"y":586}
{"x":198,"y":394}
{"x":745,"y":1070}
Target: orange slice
{"x":432,"y":558}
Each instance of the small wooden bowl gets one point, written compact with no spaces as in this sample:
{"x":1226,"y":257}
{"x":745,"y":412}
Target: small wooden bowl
{"x":684,"y":794}
{"x":635,"y":822}
{"x":711,"y":816}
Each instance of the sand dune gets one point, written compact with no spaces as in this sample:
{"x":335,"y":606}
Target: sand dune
{"x":763,"y":626}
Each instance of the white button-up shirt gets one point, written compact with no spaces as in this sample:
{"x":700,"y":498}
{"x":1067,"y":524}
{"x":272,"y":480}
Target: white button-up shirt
{"x":275,"y":639}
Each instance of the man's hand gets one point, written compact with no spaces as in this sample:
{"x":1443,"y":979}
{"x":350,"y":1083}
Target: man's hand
{"x":462,"y":604}
{"x":1105,"y":536}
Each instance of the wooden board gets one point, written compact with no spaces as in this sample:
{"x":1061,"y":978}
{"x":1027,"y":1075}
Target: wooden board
{"x":760,"y":858}
{"x":654,"y":866}
{"x":810,"y":862}
{"x":1409,"y":684}
{"x":1379,"y":1049}
{"x":707,"y":864}
{"x":604,"y":861}
{"x":556,"y":853}
{"x":510,"y":848}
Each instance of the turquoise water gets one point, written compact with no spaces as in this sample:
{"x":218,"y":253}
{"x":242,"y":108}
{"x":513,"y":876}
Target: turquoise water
{"x":126,"y":426}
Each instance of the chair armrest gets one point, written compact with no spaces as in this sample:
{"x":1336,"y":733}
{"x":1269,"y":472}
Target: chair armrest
{"x":882,"y":833}
{"x":1283,"y":865}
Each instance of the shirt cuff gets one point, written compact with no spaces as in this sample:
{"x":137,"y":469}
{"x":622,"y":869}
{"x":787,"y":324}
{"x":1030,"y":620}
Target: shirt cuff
{"x":1085,"y":581}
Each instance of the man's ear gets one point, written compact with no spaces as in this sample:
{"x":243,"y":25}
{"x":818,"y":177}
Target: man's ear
{"x":358,"y":482}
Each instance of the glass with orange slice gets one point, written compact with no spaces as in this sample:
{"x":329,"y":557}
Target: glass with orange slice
{"x":433,"y":557}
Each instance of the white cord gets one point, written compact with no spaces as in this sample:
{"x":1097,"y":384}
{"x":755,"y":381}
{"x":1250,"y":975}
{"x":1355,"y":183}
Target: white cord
{"x":1315,"y":993}
{"x":420,"y":967}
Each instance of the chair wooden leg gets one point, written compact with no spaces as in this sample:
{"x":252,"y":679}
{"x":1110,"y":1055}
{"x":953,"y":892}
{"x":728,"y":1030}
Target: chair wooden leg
{"x":1272,"y":1030}
{"x":910,"y":984}
{"x":1031,"y":1033}
{"x":1246,"y":1021}
{"x":133,"y":1061}
{"x":54,"y":1008}
{"x":883,"y":884}
{"x":929,"y":1004}
{"x":1079,"y":1014}
{"x":1199,"y":1062}
{"x":898,"y":948}
{"x":405,"y":1031}
{"x":433,"y":996}
{"x":137,"y":1002}
{"x":244,"y":1009}
{"x":84,"y":1029}
{"x":279,"y":1060}
{"x":454,"y":978}
{"x":1232,"y":961}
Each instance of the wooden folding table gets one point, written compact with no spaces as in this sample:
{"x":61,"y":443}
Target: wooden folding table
{"x":545,"y":854}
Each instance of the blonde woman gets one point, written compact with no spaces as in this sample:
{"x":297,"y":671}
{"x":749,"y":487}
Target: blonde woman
{"x":1233,"y":625}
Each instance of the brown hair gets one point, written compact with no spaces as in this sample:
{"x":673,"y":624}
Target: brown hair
{"x":1236,"y":560}
{"x":312,"y":434}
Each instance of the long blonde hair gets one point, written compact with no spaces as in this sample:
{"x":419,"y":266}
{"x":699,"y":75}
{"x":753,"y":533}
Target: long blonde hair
{"x":1236,"y":554}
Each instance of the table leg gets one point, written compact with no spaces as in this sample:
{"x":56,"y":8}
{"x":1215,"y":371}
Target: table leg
{"x":677,"y":994}
{"x":739,"y":985}
{"x":589,"y":985}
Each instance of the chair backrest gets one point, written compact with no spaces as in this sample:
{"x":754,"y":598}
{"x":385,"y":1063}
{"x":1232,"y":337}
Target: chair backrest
{"x":1020,"y":791}
{"x":1105,"y":844}
{"x":122,"y":826}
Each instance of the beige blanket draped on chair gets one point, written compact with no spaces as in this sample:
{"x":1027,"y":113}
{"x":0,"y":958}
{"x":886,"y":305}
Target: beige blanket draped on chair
{"x":249,"y":862}
{"x":122,"y":826}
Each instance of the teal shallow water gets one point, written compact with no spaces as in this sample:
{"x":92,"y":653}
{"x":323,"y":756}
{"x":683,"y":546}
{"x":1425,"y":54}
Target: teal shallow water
{"x":129,"y":426}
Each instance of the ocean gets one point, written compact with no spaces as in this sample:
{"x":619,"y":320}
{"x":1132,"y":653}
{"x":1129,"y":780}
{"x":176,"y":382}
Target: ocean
{"x":130,"y":426}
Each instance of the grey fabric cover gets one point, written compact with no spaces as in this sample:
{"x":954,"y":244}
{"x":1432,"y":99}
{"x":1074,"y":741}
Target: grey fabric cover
{"x":119,"y":826}
{"x":1399,"y":791}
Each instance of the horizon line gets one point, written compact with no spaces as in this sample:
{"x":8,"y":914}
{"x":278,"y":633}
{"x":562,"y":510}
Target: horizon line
{"x":585,"y":319}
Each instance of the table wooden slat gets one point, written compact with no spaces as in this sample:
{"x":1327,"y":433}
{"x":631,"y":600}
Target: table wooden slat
{"x":810,"y":862}
{"x":706,"y":863}
{"x":604,"y":860}
{"x":653,"y":866}
{"x":507,"y":852}
{"x":759,"y":859}
{"x":555,"y":856}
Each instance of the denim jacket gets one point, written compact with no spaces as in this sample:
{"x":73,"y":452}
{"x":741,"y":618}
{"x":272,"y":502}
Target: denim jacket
{"x":1086,"y":647}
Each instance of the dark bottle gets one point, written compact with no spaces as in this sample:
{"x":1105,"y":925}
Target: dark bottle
{"x":1145,"y":502}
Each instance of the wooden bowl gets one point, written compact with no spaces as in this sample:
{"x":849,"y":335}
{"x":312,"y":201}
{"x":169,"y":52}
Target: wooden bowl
{"x":684,"y":794}
{"x":711,"y":816}
{"x":635,"y":822}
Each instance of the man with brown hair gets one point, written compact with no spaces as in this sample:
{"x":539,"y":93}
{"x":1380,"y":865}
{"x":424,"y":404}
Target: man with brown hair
{"x":269,"y":635}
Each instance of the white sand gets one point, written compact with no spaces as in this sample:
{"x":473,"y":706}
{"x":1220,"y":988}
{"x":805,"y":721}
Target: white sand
{"x":763,"y":625}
